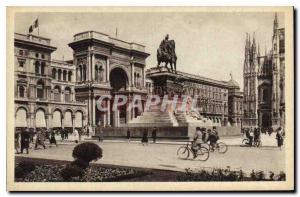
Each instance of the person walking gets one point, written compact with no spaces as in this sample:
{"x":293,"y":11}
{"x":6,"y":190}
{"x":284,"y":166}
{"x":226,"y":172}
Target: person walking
{"x":62,"y":135}
{"x":145,"y":137}
{"x":66,"y":134}
{"x":128,"y":135}
{"x":17,"y":142}
{"x":40,"y":139}
{"x":52,"y":138}
{"x":154,"y":133}
{"x":279,"y":137}
{"x":25,"y":141}
{"x":31,"y":135}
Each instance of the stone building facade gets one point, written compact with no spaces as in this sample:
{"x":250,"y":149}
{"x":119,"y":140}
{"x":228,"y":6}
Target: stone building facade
{"x":44,"y":88}
{"x":264,"y":86}
{"x":63,"y":94}
{"x":108,"y":66}
{"x":218,"y":101}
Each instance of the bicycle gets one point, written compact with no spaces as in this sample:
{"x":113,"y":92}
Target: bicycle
{"x":256,"y":143}
{"x":220,"y":146}
{"x":185,"y":151}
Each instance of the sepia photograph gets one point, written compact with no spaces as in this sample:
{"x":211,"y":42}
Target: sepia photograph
{"x":150,"y":98}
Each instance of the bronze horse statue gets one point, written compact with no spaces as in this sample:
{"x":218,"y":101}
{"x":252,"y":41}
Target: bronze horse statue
{"x":168,"y":56}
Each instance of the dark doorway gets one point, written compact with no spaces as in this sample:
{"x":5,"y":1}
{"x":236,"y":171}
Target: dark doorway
{"x":266,"y":120}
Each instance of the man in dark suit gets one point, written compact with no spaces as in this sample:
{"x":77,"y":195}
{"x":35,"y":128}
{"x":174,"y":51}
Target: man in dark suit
{"x":25,"y":137}
{"x":154,"y":133}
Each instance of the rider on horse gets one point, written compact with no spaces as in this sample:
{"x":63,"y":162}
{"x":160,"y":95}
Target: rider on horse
{"x":166,"y":53}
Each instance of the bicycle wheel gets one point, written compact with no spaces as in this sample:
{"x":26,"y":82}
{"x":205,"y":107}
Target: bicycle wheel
{"x":183,"y":152}
{"x":222,"y":147}
{"x":203,"y":154}
{"x":245,"y":142}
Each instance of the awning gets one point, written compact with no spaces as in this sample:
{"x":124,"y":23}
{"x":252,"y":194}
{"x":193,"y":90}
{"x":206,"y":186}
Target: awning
{"x":40,"y":120}
{"x":68,"y":119}
{"x":21,"y":120}
{"x":56,"y":121}
{"x":78,"y":119}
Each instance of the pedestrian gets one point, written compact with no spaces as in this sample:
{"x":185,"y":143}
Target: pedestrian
{"x":80,"y":134}
{"x":31,"y":135}
{"x":279,"y":137}
{"x":25,"y":141}
{"x":47,"y":134}
{"x":40,"y":139}
{"x":76,"y":136}
{"x":66,"y":134}
{"x":62,"y":135}
{"x":128,"y":135}
{"x":52,"y":138}
{"x":154,"y":133}
{"x":17,"y":142}
{"x":145,"y":137}
{"x":270,"y":131}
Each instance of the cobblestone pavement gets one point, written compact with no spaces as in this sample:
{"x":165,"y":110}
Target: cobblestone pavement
{"x":163,"y":156}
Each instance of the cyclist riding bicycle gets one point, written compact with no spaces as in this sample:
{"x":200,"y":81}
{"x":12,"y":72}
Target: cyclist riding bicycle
{"x":213,"y":137}
{"x":197,"y":140}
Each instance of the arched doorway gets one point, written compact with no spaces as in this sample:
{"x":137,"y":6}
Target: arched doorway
{"x":119,"y":83}
{"x":118,"y":80}
{"x":266,"y":120}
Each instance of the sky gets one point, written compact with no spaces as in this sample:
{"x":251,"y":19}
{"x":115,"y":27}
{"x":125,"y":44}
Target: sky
{"x":209,"y":44}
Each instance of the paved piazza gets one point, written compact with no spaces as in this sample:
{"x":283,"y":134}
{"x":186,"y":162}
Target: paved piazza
{"x":163,"y":156}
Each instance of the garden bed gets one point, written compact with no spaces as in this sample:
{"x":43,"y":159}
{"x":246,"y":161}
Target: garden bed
{"x":47,"y":170}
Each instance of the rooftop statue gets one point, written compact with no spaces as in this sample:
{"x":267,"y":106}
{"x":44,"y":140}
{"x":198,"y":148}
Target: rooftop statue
{"x":166,"y":53}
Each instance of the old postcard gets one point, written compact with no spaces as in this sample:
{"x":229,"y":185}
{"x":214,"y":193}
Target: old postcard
{"x":150,"y":98}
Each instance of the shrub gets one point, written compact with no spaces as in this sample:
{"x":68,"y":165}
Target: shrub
{"x":281,"y":176}
{"x":87,"y":152}
{"x":27,"y":166}
{"x":79,"y":163}
{"x":19,"y":172}
{"x":71,"y":171}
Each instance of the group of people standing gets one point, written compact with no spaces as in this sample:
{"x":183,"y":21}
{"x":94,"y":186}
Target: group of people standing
{"x":23,"y":138}
{"x":145,"y":137}
{"x":253,"y":135}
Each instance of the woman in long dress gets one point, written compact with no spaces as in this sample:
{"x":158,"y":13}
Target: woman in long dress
{"x":52,"y":138}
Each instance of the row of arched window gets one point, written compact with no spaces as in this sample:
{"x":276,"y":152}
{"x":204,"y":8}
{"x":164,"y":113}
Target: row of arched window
{"x":67,"y":94}
{"x":40,"y":92}
{"x":99,"y":71}
{"x":61,"y":75}
{"x":40,"y":67}
{"x":81,"y":73}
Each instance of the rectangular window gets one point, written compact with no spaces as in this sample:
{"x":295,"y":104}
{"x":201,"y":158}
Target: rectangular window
{"x":21,"y":64}
{"x":21,"y":52}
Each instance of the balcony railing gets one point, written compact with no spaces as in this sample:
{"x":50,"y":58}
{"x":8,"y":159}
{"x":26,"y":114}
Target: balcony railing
{"x":32,"y":38}
{"x":106,"y":38}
